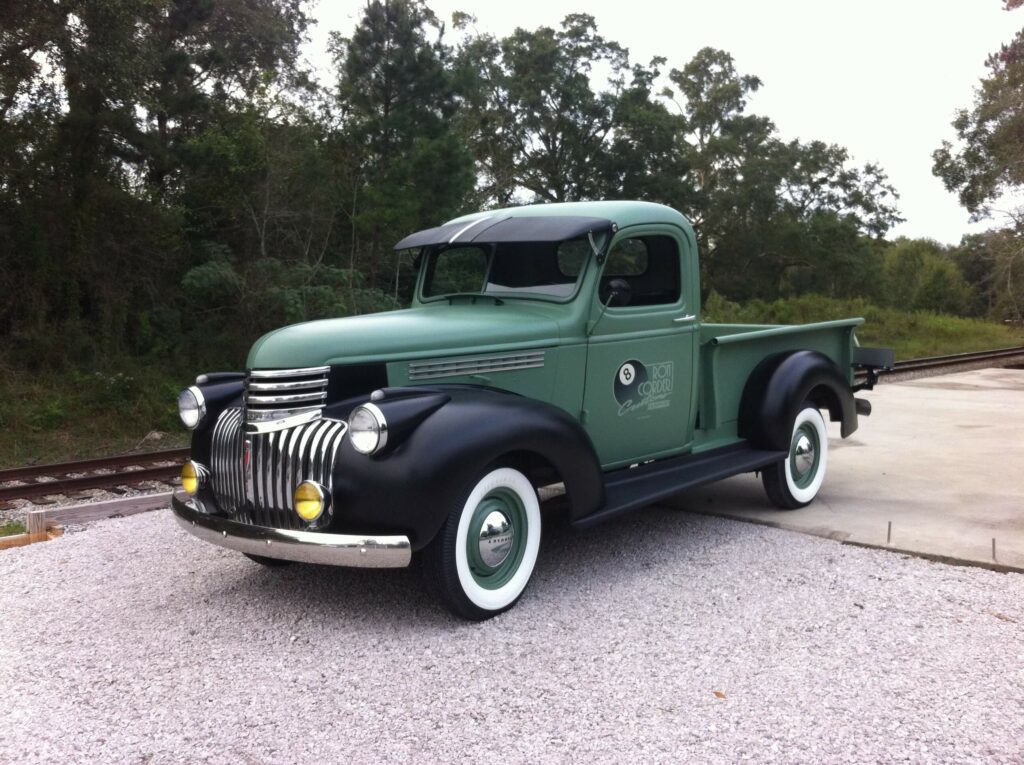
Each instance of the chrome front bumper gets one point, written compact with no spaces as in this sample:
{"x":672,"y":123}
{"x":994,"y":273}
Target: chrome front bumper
{"x":302,"y":546}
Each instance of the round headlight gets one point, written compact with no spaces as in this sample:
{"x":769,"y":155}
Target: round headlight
{"x":191,"y":407}
{"x":310,"y":501}
{"x":367,"y":429}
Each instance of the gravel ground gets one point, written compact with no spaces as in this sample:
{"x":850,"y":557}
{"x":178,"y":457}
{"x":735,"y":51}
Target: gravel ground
{"x":661,"y":637}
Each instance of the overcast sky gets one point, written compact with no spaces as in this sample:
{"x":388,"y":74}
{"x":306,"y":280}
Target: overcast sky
{"x":881,"y":77}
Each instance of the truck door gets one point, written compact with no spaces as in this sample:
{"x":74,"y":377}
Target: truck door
{"x":638,"y":402}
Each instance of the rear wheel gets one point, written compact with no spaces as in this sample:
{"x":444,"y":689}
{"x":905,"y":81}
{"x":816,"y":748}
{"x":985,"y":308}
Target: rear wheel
{"x":481,"y":561}
{"x":795,"y":481}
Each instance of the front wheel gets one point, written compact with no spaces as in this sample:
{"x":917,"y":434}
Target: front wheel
{"x":482,"y":558}
{"x":794,"y":482}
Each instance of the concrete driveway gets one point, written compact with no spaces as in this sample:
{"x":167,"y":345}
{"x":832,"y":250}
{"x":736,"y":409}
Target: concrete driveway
{"x":941,"y":458}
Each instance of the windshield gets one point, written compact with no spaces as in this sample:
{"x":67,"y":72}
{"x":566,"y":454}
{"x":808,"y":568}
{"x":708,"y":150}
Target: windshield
{"x":528,"y":269}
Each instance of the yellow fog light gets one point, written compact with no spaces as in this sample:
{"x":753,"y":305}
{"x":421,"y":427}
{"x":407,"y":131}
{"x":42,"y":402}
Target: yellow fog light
{"x":310,"y":501}
{"x":193,"y":477}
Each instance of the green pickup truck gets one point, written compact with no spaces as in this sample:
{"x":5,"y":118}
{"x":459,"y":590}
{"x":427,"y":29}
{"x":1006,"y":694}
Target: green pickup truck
{"x":546,"y":344}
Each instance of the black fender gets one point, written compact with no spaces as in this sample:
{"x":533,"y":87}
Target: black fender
{"x":777,"y":388}
{"x":413,"y":485}
{"x":220,"y":390}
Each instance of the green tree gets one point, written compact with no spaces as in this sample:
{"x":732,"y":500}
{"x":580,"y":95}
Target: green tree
{"x":989,"y":161}
{"x":769,"y":214}
{"x":266,"y":192}
{"x":204,"y":54}
{"x":923,"y":275}
{"x":397,"y":100}
{"x":986,"y":167}
{"x":98,"y":97}
{"x":531,"y":114}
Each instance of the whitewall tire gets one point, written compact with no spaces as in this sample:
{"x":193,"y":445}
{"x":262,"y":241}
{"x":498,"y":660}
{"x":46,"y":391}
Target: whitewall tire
{"x":795,"y":481}
{"x":480,"y":562}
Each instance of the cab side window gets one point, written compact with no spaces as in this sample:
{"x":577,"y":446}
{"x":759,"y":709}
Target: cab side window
{"x":649,"y":265}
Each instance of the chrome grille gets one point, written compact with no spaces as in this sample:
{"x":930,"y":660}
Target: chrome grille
{"x":278,"y":462}
{"x":227,"y":476}
{"x":471,"y":365}
{"x":276,"y":399}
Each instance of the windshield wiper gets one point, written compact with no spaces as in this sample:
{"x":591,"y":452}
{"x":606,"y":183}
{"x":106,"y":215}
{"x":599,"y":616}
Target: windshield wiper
{"x":474,"y":296}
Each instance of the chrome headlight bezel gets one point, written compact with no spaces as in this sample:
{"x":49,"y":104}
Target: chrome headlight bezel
{"x":191,"y":407}
{"x":367,"y":420}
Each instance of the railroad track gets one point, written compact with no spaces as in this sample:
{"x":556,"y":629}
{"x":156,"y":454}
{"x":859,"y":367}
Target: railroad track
{"x":132,"y":469}
{"x":68,"y":478}
{"x":956,"y":359}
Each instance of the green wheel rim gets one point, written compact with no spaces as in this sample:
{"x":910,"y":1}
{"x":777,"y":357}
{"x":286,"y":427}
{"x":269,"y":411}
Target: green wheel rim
{"x":803,"y":474}
{"x":508,"y":503}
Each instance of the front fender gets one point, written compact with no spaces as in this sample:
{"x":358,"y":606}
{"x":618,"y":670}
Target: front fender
{"x":413,"y":486}
{"x":778,"y":387}
{"x":220,"y":390}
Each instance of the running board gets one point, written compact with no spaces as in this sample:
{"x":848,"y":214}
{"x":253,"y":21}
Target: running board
{"x":631,"y":488}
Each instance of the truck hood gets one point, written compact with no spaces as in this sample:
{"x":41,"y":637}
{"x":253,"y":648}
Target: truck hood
{"x":412,"y":333}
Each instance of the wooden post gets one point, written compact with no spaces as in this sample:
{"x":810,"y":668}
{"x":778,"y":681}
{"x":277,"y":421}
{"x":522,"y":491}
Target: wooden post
{"x":36,"y":526}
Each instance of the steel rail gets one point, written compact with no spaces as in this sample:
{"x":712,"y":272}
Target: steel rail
{"x":123,"y":475}
{"x":95,"y":481}
{"x":957,"y":358}
{"x":84,"y":466}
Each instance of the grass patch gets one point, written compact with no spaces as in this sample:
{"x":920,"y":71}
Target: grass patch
{"x":57,"y":416}
{"x":10,"y":528}
{"x":912,"y":335}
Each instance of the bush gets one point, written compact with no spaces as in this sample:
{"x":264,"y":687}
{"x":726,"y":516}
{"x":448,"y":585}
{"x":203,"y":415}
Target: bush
{"x":913,"y":334}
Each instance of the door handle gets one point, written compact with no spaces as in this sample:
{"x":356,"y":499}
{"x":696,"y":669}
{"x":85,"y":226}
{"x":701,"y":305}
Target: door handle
{"x":688,"y":317}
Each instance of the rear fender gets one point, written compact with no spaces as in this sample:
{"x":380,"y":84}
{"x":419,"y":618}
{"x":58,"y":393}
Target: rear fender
{"x":779,"y":386}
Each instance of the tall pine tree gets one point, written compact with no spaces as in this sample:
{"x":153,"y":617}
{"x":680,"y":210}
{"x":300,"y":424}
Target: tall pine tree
{"x":398,"y":102}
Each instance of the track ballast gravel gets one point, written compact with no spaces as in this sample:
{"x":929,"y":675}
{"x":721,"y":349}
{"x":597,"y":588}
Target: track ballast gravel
{"x":133,"y":642}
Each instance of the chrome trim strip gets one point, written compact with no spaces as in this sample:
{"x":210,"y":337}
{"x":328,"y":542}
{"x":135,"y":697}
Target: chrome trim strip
{"x":308,"y":371}
{"x":288,"y":481}
{"x":343,"y":428}
{"x":304,"y":454}
{"x":466,"y":228}
{"x":328,"y":452}
{"x":272,"y":477}
{"x":460,"y":366}
{"x":238,"y":444}
{"x":319,"y":430}
{"x":287,"y":544}
{"x":288,"y":399}
{"x":320,"y":382}
{"x":279,"y":419}
{"x":261,"y":466}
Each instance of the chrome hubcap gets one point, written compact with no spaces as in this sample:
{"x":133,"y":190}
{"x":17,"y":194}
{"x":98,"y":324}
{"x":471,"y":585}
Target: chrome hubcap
{"x":496,"y":537}
{"x":803,"y":455}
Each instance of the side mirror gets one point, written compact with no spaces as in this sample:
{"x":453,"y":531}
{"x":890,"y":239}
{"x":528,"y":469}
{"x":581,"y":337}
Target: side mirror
{"x":618,"y":293}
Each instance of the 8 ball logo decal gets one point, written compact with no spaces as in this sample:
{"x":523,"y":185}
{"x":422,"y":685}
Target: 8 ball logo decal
{"x":631,"y":375}
{"x":641,"y":388}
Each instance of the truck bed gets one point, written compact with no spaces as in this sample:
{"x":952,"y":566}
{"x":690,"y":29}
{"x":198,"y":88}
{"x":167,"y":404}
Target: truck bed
{"x":729,"y":353}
